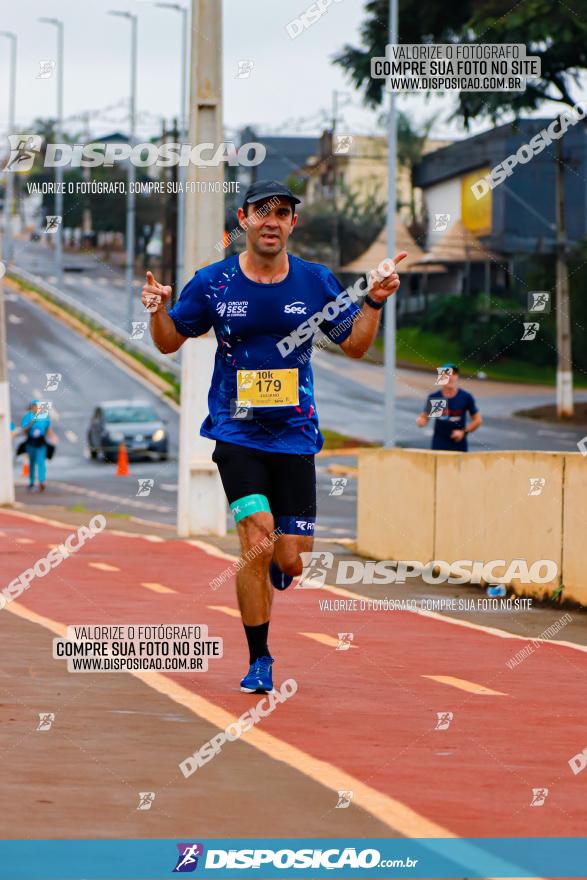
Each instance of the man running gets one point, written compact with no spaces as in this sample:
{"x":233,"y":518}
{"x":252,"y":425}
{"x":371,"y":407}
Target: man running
{"x":448,"y":407}
{"x":262,"y":412}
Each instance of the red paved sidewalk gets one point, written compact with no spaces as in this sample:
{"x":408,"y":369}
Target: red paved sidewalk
{"x":368,"y":710}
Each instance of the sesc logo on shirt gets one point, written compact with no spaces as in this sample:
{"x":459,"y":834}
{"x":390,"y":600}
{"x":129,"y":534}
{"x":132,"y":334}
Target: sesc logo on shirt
{"x":295,"y":308}
{"x":237,"y":309}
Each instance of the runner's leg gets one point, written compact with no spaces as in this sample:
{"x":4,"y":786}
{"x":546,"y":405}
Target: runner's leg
{"x":32,"y":453}
{"x":245,"y":478}
{"x":293,"y":501}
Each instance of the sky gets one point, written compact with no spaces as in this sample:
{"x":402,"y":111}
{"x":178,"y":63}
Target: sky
{"x":289,"y":90}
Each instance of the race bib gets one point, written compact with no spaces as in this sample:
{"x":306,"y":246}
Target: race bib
{"x":268,"y":387}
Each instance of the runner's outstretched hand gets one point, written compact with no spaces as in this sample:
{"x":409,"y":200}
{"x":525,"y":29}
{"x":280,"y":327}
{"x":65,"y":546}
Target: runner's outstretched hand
{"x":383,"y":285}
{"x":154,"y":296}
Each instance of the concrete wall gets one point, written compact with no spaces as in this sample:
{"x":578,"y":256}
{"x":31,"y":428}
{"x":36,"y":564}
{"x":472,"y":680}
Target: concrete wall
{"x":575,"y":528}
{"x":420,"y":505}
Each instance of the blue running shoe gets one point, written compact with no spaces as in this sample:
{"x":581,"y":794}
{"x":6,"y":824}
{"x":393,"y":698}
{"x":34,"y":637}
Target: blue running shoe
{"x":279,"y":580}
{"x":259,"y":678}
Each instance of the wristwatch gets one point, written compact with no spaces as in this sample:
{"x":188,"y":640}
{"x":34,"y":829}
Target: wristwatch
{"x":373,"y":303}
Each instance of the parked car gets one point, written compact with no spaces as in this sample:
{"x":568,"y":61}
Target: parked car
{"x":132,"y":422}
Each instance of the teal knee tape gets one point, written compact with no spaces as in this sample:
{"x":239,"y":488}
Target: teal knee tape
{"x":248,"y":505}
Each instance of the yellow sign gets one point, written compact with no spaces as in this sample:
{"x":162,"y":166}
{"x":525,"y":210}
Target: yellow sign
{"x":475,"y":213}
{"x":268,"y":387}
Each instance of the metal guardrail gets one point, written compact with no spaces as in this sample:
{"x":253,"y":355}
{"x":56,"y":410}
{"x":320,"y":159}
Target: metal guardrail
{"x":171,"y":366}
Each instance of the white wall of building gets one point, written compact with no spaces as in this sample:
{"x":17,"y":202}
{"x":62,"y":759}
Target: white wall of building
{"x":441,"y":199}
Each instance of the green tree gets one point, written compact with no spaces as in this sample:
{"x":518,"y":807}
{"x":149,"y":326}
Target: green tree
{"x":556,"y":35}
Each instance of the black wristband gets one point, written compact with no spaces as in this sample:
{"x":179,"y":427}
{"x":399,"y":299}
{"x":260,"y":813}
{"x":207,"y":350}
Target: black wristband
{"x":373,"y":303}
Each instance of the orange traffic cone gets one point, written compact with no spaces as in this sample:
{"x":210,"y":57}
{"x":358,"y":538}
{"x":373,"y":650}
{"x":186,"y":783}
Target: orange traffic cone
{"x":25,"y":469}
{"x":122,"y":464}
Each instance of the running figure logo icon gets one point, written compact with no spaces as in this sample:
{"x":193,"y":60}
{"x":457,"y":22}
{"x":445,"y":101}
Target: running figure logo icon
{"x":316,"y":565}
{"x":187,"y":861}
{"x":53,"y":224}
{"x":241,"y":409}
{"x":444,"y":374}
{"x":344,"y":641}
{"x":53,"y":380}
{"x":338,"y":485}
{"x":530,"y":331}
{"x":138,"y":329}
{"x":245,"y":68}
{"x":441,"y":222}
{"x":146,"y":799}
{"x":438,"y":408}
{"x":343,"y":145}
{"x":539,"y":301}
{"x":444,"y":719}
{"x":46,"y":69}
{"x":22,"y":151}
{"x":539,"y":795}
{"x":46,"y":720}
{"x":537,"y":484}
{"x":344,"y":800}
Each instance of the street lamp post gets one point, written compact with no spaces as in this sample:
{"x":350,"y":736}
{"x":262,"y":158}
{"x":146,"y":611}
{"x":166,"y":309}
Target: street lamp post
{"x":7,"y":247}
{"x":181,"y":171}
{"x":7,"y":481}
{"x":59,"y":138}
{"x":130,"y":196}
{"x":389,"y":405}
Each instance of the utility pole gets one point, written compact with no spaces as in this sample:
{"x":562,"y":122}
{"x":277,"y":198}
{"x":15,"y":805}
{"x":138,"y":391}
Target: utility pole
{"x":564,"y":367}
{"x":201,"y":507}
{"x":58,"y":237}
{"x":181,"y":171}
{"x":389,"y":317}
{"x":87,"y":173}
{"x":336,"y":257}
{"x":7,"y":244}
{"x":6,"y":477}
{"x":335,"y":236}
{"x":131,"y":177}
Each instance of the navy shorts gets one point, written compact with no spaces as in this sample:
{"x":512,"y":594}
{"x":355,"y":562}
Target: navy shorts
{"x":287,"y":481}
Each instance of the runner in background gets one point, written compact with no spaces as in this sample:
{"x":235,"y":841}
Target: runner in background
{"x":448,"y":407}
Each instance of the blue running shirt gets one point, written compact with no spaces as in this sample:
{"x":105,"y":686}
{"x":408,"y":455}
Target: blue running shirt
{"x":249,"y":320}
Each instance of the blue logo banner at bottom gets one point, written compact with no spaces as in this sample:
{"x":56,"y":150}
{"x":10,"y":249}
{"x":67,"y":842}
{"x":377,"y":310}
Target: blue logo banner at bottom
{"x":384,"y":858}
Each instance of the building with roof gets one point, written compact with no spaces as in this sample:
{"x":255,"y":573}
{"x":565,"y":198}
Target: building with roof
{"x":412,"y":295}
{"x":285,"y":159}
{"x":510,"y":222}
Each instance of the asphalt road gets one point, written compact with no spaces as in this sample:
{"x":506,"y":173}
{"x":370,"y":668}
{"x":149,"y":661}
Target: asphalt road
{"x":349,"y":397}
{"x":40,"y":344}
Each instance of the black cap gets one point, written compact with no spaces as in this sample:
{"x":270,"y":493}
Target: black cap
{"x":265,"y":189}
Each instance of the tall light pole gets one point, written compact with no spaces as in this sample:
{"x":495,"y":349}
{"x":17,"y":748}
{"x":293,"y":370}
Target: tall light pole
{"x":389,"y":333}
{"x":201,"y":506}
{"x":181,"y":171}
{"x":59,"y":138}
{"x":7,"y":248}
{"x":130,"y":196}
{"x":6,"y":480}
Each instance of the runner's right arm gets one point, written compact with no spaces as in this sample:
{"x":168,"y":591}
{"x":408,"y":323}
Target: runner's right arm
{"x":163,"y":331}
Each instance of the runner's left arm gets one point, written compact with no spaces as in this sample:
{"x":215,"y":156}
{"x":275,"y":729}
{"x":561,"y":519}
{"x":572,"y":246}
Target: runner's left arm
{"x":476,"y":420}
{"x":366,"y":324}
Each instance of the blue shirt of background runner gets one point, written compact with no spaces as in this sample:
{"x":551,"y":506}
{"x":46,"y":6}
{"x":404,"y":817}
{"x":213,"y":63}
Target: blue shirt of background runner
{"x":455,"y":417}
{"x":39,"y":426}
{"x":249,"y":319}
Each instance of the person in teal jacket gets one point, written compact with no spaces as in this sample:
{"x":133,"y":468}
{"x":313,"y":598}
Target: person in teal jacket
{"x":36,"y":425}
